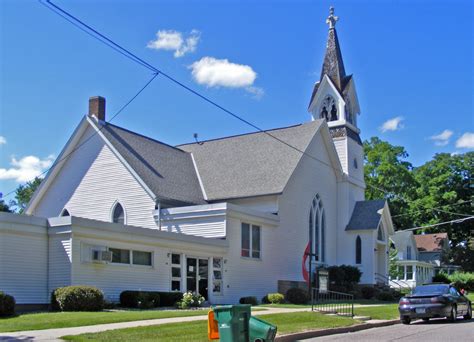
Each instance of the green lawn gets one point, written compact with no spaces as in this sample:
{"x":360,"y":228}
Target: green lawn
{"x":389,"y":311}
{"x":50,"y":320}
{"x":302,"y":306}
{"x":197,"y":331}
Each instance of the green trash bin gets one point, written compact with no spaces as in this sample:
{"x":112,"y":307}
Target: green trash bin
{"x":233,"y":322}
{"x":261,"y":331}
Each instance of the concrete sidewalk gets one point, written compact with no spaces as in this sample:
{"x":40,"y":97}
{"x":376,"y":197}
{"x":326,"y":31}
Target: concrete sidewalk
{"x":55,"y":334}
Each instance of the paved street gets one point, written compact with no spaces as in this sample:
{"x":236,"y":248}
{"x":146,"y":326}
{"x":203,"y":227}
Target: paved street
{"x":435,"y":330}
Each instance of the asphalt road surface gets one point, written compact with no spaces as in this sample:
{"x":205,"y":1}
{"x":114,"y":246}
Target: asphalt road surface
{"x":434,"y":330}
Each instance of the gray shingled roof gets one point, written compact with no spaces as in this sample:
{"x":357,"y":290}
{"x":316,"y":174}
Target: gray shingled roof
{"x":365,"y":215}
{"x":168,"y":171}
{"x":250,"y":164}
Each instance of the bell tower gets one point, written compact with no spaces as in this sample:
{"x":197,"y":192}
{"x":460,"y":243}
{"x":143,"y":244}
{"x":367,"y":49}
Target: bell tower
{"x":334,"y":99}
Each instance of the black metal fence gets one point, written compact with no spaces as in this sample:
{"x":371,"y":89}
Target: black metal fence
{"x":332,"y":302}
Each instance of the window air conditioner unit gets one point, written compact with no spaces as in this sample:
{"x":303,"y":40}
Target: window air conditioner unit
{"x":101,"y":256}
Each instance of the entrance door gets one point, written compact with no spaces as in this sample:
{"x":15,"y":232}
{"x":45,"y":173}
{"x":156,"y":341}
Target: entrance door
{"x":197,"y":271}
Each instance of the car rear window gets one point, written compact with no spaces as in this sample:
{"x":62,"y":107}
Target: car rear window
{"x":431,"y":289}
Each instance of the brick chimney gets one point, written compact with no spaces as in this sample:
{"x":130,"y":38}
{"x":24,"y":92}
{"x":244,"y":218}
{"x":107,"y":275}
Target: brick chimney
{"x":97,"y":107}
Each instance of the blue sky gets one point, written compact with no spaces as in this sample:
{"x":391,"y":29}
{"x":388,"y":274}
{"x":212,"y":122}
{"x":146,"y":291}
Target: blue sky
{"x":412,"y":60}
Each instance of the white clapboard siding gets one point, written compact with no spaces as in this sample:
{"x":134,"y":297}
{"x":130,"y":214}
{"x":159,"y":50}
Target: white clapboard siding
{"x":59,"y":261}
{"x":93,"y":179}
{"x":112,"y":279}
{"x":341,"y":148}
{"x":23,"y":259}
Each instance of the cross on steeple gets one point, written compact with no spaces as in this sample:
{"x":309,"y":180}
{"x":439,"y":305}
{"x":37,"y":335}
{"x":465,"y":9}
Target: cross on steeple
{"x":332,"y":19}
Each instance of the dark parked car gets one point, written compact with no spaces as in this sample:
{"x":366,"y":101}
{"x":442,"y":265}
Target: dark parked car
{"x":434,"y":300}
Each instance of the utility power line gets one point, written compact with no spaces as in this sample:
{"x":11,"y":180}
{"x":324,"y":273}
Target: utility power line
{"x":96,"y":132}
{"x":439,"y":224}
{"x":437,"y":208}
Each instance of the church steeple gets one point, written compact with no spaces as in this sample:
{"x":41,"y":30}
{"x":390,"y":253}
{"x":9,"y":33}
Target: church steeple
{"x":333,"y":66}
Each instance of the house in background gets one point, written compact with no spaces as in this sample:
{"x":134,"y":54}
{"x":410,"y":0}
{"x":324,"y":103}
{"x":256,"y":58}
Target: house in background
{"x":411,"y":269}
{"x":433,"y":248}
{"x":230,"y":217}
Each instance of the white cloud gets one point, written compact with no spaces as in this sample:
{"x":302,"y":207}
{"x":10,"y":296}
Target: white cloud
{"x":3,"y":140}
{"x":392,"y":124}
{"x":26,"y":169}
{"x":220,"y":72}
{"x":466,"y":140}
{"x":257,"y":92}
{"x":172,"y":40}
{"x":442,"y":139}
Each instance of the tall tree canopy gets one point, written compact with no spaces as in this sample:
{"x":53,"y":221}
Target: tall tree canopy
{"x":388,"y":175}
{"x":438,"y":191}
{"x":24,"y":193}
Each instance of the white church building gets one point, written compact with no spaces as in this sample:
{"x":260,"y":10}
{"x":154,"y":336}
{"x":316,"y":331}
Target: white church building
{"x":230,"y":217}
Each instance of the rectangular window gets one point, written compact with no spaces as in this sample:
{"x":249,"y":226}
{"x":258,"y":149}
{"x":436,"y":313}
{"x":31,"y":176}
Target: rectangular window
{"x":120,"y":256}
{"x":217,"y":276}
{"x":141,"y":258}
{"x":408,"y":252}
{"x":245,"y":240}
{"x":251,"y":241}
{"x":175,"y":272}
{"x":409,"y":272}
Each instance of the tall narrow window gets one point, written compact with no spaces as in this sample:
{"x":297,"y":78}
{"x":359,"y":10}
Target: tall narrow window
{"x":408,"y":252}
{"x":118,"y":214}
{"x":317,"y":228}
{"x":251,"y":241}
{"x":380,"y":233}
{"x":358,"y":250}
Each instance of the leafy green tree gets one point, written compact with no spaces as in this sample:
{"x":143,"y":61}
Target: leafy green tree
{"x":389,"y":175}
{"x":24,"y":193}
{"x":4,"y":207}
{"x":393,"y":269}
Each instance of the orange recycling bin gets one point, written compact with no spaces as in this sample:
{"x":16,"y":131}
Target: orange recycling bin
{"x":212,"y":327}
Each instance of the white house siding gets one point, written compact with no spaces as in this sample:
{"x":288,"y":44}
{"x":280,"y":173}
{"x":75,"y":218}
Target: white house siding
{"x":341,"y":148}
{"x":310,"y":178}
{"x":91,"y":181}
{"x":266,"y":204}
{"x":60,"y":261}
{"x":23,"y":258}
{"x":248,"y":276}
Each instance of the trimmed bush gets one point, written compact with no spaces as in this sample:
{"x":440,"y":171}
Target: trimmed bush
{"x":343,"y":278}
{"x":249,"y":300}
{"x":190,"y":299}
{"x":463,"y":280}
{"x":265,"y":300}
{"x":386,"y":296}
{"x":367,"y":292}
{"x":7,"y":305}
{"x":441,"y":278}
{"x":170,"y":298}
{"x":297,"y":296}
{"x":78,"y":298}
{"x":140,"y":299}
{"x":276,"y":298}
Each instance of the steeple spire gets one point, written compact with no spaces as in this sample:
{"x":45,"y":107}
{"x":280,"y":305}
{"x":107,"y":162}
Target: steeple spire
{"x":333,"y":66}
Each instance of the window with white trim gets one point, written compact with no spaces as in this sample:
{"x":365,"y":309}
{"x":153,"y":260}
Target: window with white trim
{"x":141,"y":258}
{"x":217,"y":276}
{"x":120,"y":256}
{"x":118,"y":214}
{"x":131,"y":257}
{"x":358,"y":250}
{"x":317,"y":229}
{"x":251,"y":241}
{"x":408,"y":252}
{"x":175,"y":272}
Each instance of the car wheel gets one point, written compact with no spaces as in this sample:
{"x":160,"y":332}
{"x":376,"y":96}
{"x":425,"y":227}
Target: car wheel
{"x":406,"y":320}
{"x":426,"y":319}
{"x":453,"y":315}
{"x":468,"y":316}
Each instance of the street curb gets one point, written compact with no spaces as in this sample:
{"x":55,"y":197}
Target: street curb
{"x":333,"y":331}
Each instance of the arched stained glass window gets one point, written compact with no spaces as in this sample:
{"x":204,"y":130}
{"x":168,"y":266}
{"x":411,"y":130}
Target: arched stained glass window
{"x":118,"y":214}
{"x":358,"y":250}
{"x":317,"y":227}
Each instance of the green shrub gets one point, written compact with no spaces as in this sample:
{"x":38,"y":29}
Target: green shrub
{"x":265,"y":300}
{"x":140,"y":299}
{"x":297,"y":296}
{"x":367,"y":292}
{"x":7,"y":305}
{"x":462,"y":280}
{"x":190,"y":299}
{"x":343,"y":278}
{"x":248,"y":300}
{"x":170,"y":298}
{"x":386,"y":296}
{"x":276,"y":298}
{"x":78,"y":298}
{"x":441,"y":278}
